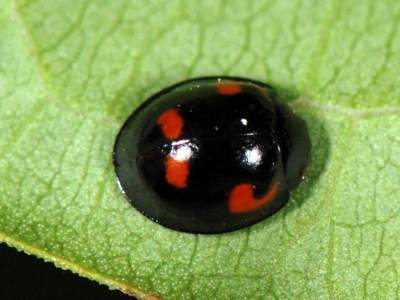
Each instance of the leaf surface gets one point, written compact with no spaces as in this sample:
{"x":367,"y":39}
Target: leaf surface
{"x":72,"y":71}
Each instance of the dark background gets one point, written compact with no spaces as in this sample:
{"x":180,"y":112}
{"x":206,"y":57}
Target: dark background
{"x":25,"y":277}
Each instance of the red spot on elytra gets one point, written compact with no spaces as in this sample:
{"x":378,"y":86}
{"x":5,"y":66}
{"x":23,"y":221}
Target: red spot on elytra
{"x":171,"y":124}
{"x":177,"y":172}
{"x":242,"y":200}
{"x":228,"y":88}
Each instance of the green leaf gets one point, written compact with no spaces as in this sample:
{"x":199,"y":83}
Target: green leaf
{"x":72,"y":71}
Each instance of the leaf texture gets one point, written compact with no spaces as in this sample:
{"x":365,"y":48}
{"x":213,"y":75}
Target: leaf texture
{"x":72,"y":71}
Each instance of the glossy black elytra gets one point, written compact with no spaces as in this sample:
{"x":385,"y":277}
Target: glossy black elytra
{"x":211,"y":154}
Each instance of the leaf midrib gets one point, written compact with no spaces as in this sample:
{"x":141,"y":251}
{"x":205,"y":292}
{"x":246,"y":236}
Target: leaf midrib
{"x":110,"y":122}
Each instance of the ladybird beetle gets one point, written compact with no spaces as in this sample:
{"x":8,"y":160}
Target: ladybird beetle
{"x":211,"y":154}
